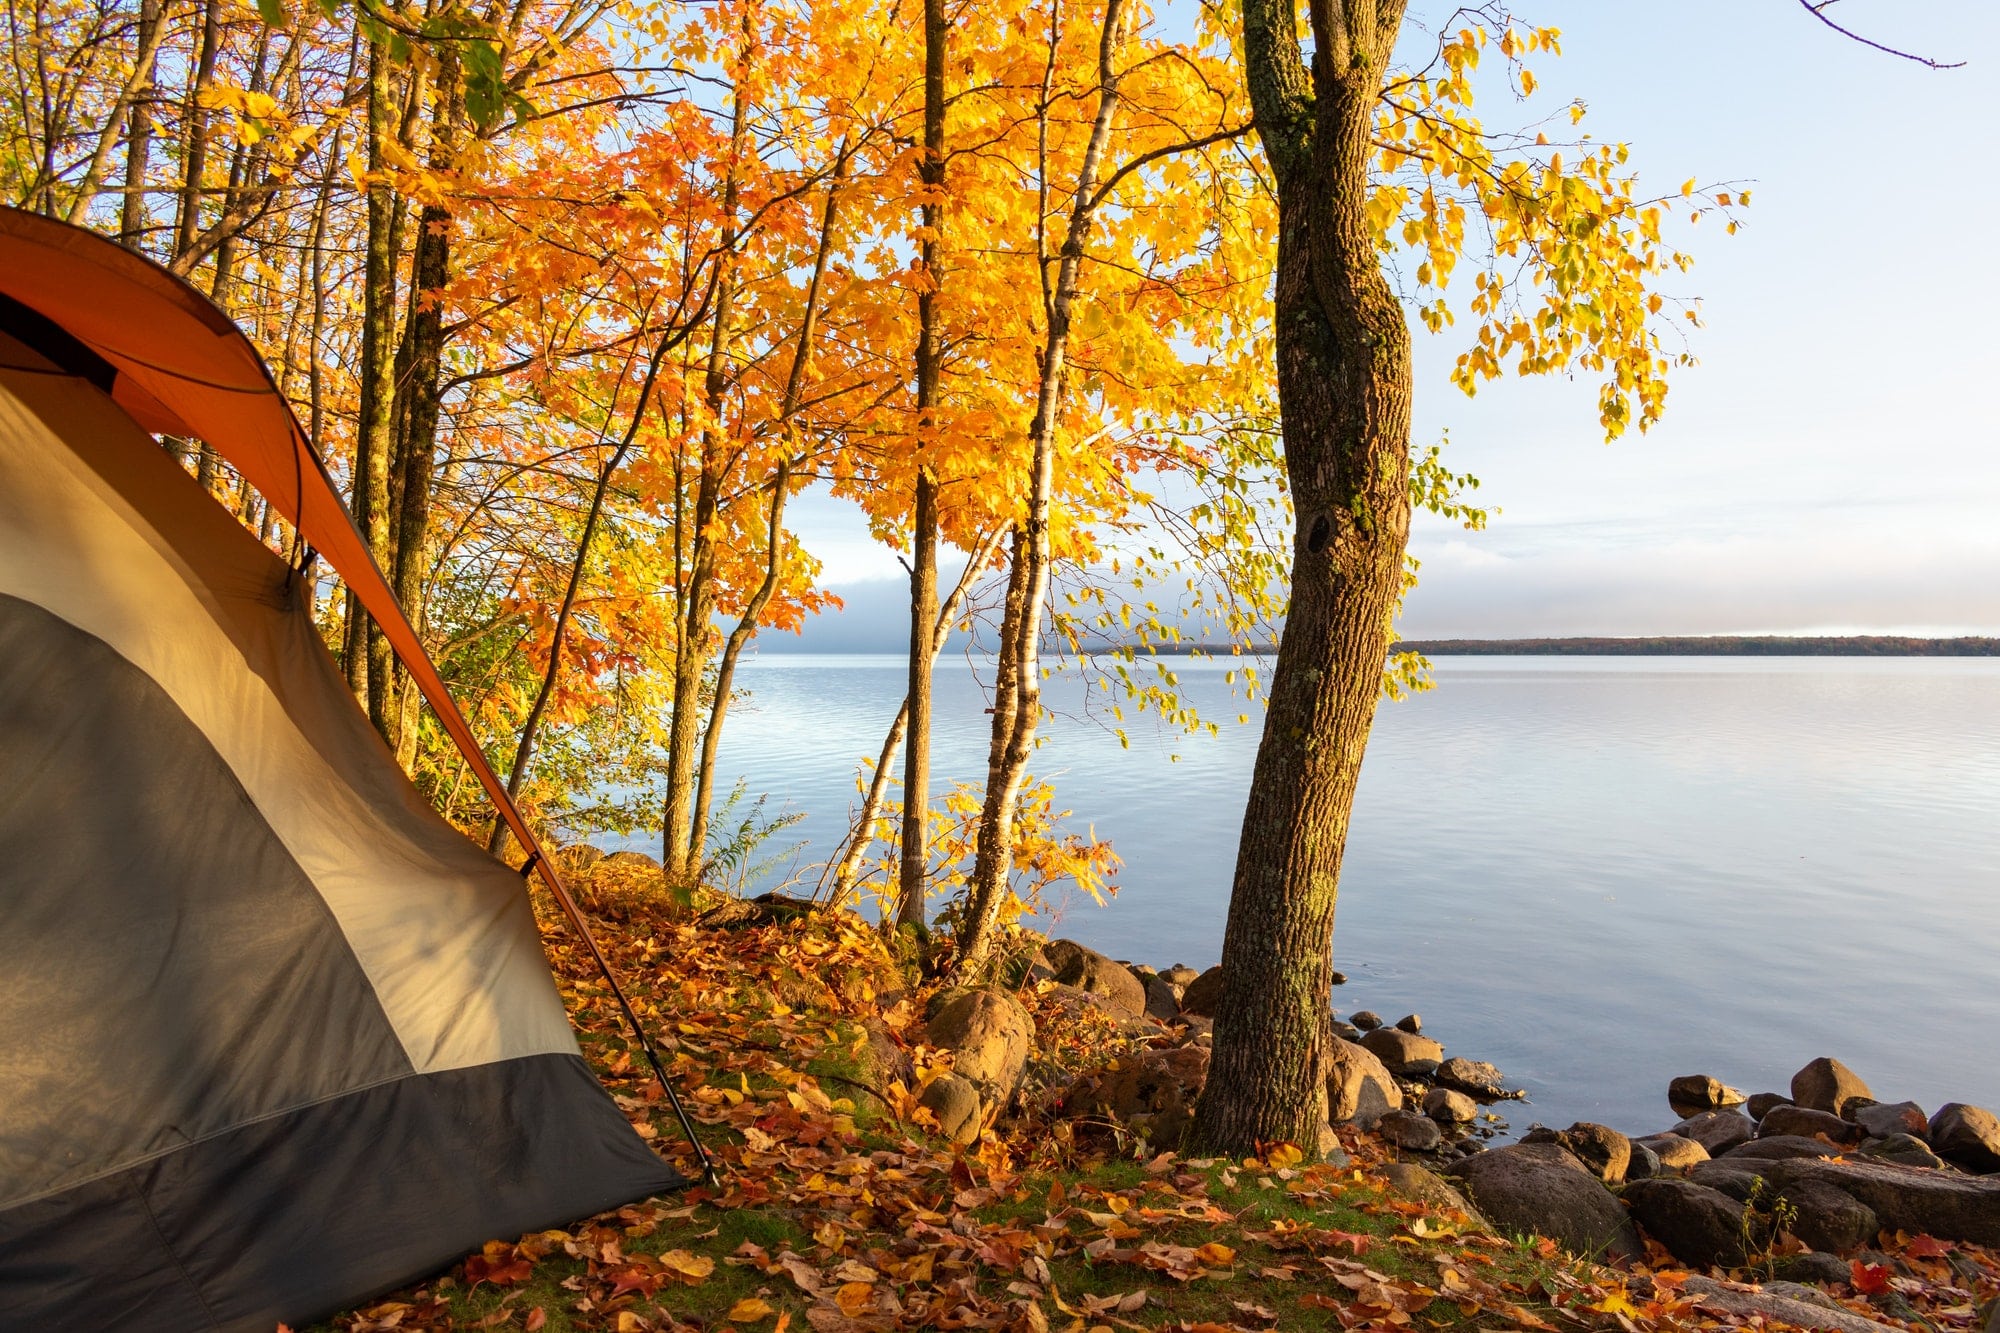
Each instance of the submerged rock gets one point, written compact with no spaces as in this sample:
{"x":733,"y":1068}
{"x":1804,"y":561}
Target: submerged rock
{"x":1702,"y":1090}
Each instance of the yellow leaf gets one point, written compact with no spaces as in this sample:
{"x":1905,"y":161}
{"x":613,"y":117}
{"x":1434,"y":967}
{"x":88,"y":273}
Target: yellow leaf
{"x":748,"y":1311}
{"x":855,"y":1298}
{"x":691,"y":1267}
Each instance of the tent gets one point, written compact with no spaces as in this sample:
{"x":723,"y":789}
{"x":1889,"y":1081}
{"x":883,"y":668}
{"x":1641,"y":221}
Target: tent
{"x":274,"y":1037}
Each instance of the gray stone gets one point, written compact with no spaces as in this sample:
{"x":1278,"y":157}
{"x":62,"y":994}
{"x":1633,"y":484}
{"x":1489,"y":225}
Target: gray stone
{"x":1967,"y":1135}
{"x":1941,"y":1203}
{"x":1883,"y":1119}
{"x":1365,"y":1019}
{"x":882,"y":1058}
{"x":1603,"y":1151}
{"x":1405,"y":1053}
{"x":989,"y":1035}
{"x":1162,"y":1002}
{"x":1674,"y":1152}
{"x":1346,"y":1031}
{"x":1780,"y":1309}
{"x":1808,"y":1123}
{"x":629,"y":861}
{"x":1086,"y":969}
{"x":1813,"y":1266}
{"x":1905,"y":1149}
{"x":1409,"y":1131}
{"x":1359,"y":1089}
{"x":1450,"y":1107}
{"x":1760,"y":1103}
{"x":1203,"y":994}
{"x":1692,"y":1090}
{"x":1740,"y":1181}
{"x":1543,"y":1190}
{"x":1475,"y":1077}
{"x":1717,"y":1131}
{"x":1828,"y":1085}
{"x":1779,"y":1147}
{"x":1410,"y":1023}
{"x":1700,"y":1227}
{"x":955,"y":1103}
{"x":1645,"y":1164}
{"x":1826,"y":1217}
{"x":1426,"y":1187}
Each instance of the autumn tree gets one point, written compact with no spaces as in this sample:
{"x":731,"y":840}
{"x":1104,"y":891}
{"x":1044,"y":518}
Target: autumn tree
{"x":1368,"y":157}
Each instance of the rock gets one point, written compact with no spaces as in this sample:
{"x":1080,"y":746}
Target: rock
{"x":1410,"y":1023}
{"x":1426,"y":1187}
{"x":1826,"y":1217}
{"x":1905,"y":1149}
{"x":1123,"y":994}
{"x":1967,"y":1135}
{"x":1813,"y":1266}
{"x":1740,"y":1181}
{"x":1645,"y":1164}
{"x":1760,"y":1103}
{"x":882,"y":1058}
{"x":1475,"y":1077}
{"x":1541,"y":1188}
{"x":1153,"y":1091}
{"x":1337,"y":978}
{"x":1700,"y":1227}
{"x":1779,"y":1309}
{"x":1604,"y":1151}
{"x":1405,"y":1053}
{"x":1717,"y":1131}
{"x":1365,"y":1019}
{"x":955,"y":1103}
{"x":1940,"y":1203}
{"x":1195,"y":1028}
{"x":1702,"y":1090}
{"x":1359,"y":1090}
{"x":1779,"y":1147}
{"x":1450,"y":1107}
{"x":763,"y":910}
{"x":1178,"y":976}
{"x":1038,"y":968}
{"x":1828,"y":1085}
{"x":629,"y":861}
{"x":1409,"y":1131}
{"x":1883,"y":1119}
{"x":1203,"y":994}
{"x":578,"y":857}
{"x":1808,"y":1123}
{"x":1675,"y":1153}
{"x":989,"y":1035}
{"x":1162,"y":1001}
{"x":1346,"y":1031}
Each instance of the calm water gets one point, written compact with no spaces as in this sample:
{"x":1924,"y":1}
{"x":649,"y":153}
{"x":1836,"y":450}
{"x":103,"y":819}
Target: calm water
{"x":1596,"y":873}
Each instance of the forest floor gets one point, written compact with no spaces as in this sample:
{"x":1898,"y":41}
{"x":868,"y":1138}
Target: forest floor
{"x":843,"y":1209}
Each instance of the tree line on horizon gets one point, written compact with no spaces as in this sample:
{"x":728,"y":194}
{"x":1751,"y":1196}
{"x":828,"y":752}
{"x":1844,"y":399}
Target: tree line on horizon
{"x":576,"y":296}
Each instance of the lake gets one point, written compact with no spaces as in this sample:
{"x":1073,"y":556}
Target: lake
{"x":1596,"y":873}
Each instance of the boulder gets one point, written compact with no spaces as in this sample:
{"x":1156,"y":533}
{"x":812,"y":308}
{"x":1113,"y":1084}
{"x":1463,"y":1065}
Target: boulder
{"x":1542,"y":1189}
{"x":882,"y":1058}
{"x":1717,"y":1131}
{"x":1826,"y":1217}
{"x":1359,"y":1090}
{"x":1405,"y":1053}
{"x":989,"y":1035}
{"x":955,"y":1102}
{"x":1409,"y":1131}
{"x":1203,"y":994}
{"x":1779,"y":1308}
{"x":1780,"y":1147}
{"x":1828,"y":1085}
{"x":1474,"y":1077}
{"x":1812,"y":1266}
{"x":578,"y":857}
{"x":1178,"y":976}
{"x":1701,"y":1090}
{"x":1883,"y":1119}
{"x":1450,"y":1107}
{"x":1760,"y":1103}
{"x":1604,"y":1151}
{"x":1645,"y":1164}
{"x":1153,"y":1092}
{"x":1739,"y":1181}
{"x":1426,"y":1187}
{"x":1905,"y":1198}
{"x":1807,"y":1123}
{"x":1365,"y":1019}
{"x":1162,"y":1001}
{"x":1410,"y":1023}
{"x":1967,"y":1135}
{"x":1675,"y":1153}
{"x":1906,"y":1149}
{"x":1123,"y":994}
{"x":1701,"y":1227}
{"x":629,"y":861}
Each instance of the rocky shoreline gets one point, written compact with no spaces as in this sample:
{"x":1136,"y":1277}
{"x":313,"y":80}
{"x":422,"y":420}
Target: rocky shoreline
{"x":1814,"y":1187}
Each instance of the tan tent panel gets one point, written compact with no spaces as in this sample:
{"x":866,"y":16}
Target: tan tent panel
{"x":274,"y":1037}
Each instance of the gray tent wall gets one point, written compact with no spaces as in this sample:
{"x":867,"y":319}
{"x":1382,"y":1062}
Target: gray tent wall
{"x":273,"y":1036}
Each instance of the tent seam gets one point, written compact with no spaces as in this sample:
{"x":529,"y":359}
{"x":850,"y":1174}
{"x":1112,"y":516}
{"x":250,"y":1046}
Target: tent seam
{"x":200,"y":1297}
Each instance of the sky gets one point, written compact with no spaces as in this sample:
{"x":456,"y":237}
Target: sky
{"x":1833,"y":464}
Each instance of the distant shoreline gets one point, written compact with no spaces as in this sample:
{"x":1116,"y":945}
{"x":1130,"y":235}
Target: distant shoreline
{"x":1716,"y":645}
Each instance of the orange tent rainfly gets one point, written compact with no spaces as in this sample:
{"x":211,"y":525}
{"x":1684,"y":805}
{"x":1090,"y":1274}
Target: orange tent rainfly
{"x":274,"y":1037}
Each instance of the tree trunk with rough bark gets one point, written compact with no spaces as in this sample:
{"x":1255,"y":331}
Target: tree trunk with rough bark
{"x":1344,"y":387}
